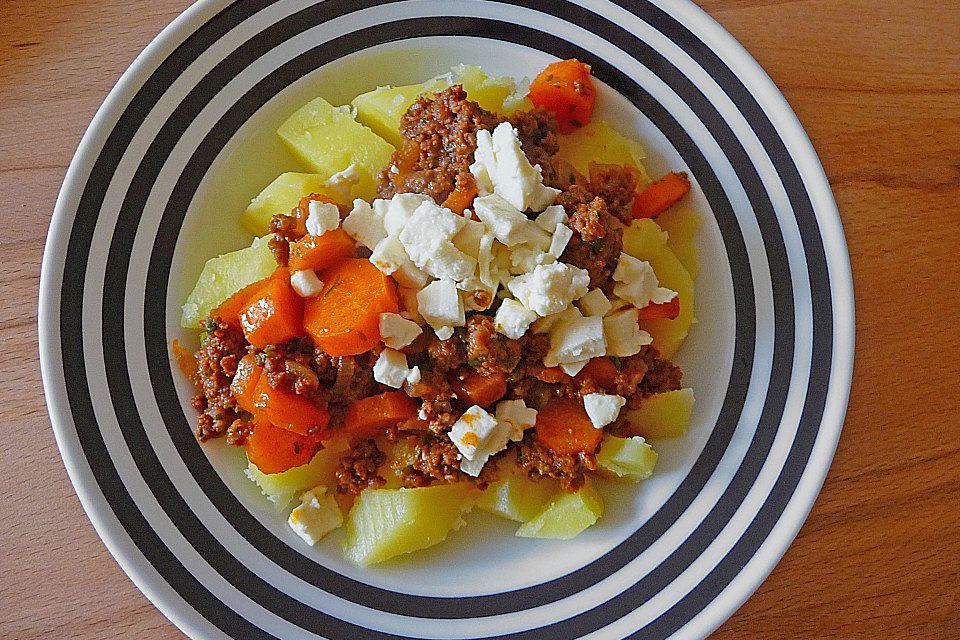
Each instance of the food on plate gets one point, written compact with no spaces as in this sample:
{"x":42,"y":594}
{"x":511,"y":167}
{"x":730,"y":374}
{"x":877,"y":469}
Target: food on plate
{"x":469,"y":298}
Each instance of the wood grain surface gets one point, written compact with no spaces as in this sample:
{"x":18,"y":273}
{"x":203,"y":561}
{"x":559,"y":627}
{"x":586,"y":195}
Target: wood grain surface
{"x":876,"y":83}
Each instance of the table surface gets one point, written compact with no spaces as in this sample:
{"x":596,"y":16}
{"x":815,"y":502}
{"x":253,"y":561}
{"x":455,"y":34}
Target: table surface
{"x":877,"y":86}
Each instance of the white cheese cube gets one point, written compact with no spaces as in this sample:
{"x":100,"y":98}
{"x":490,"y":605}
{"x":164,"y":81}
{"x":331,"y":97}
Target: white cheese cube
{"x":624,"y":336}
{"x":306,"y":283}
{"x":537,"y":237}
{"x":504,"y":220}
{"x":595,"y":303}
{"x":476,"y":295}
{"x":468,"y":238}
{"x":440,"y":305}
{"x":638,"y":284}
{"x":342,"y":181}
{"x":550,"y":288}
{"x":363,"y":225}
{"x":513,"y":319}
{"x":485,"y":261}
{"x":317,"y":515}
{"x":389,"y":255}
{"x":477,"y":436}
{"x":396,"y":331}
{"x":444,"y":333}
{"x":576,"y":340}
{"x":546,"y":324}
{"x":322,"y":217}
{"x":408,"y":300}
{"x":400,"y":209}
{"x":551,"y":217}
{"x":391,"y":368}
{"x":603,"y":408}
{"x":515,"y":179}
{"x":524,"y":259}
{"x":449,"y":262}
{"x":429,"y":228}
{"x":414,"y":376}
{"x":559,"y":240}
{"x":573,"y":368}
{"x":410,"y":276}
{"x":518,"y":416}
{"x":484,"y":163}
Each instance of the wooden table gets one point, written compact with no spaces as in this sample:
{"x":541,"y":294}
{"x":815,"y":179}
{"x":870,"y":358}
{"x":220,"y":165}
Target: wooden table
{"x":877,"y":86}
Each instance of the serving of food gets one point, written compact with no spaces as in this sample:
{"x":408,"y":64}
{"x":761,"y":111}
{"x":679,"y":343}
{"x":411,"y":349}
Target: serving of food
{"x":470,"y":302}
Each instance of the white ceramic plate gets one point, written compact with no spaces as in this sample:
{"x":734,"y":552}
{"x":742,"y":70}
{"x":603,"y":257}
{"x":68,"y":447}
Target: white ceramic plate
{"x":186,"y":138}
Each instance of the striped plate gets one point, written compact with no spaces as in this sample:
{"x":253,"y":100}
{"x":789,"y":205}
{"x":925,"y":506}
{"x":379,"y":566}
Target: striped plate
{"x":186,"y":138}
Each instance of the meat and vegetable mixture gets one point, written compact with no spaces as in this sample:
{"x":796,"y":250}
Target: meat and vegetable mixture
{"x":478,"y":310}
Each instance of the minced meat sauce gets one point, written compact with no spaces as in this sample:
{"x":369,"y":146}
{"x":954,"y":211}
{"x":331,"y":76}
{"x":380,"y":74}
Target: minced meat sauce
{"x":439,"y":140}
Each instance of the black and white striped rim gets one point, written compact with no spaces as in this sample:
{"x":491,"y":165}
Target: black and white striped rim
{"x":210,"y":564}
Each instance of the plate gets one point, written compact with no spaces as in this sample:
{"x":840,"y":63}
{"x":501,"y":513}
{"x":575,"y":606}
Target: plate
{"x":186,"y":138}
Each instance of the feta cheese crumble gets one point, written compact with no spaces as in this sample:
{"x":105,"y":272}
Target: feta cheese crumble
{"x":624,"y":335}
{"x":306,"y":283}
{"x":638,"y":284}
{"x":518,"y":416}
{"x":594,"y":303}
{"x":391,"y":368}
{"x":550,"y":288}
{"x":398,"y":332}
{"x":364,"y":225}
{"x":477,"y":435}
{"x":317,"y":515}
{"x":513,"y":319}
{"x":576,"y":340}
{"x":322,"y":217}
{"x":603,"y":408}
{"x":341,"y":182}
{"x":441,"y":306}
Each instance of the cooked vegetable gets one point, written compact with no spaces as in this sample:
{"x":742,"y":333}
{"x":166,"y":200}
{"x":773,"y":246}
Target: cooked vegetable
{"x":601,"y":369}
{"x":517,"y":497}
{"x":682,"y":225}
{"x":629,"y":458}
{"x":565,"y":88}
{"x":244,"y":385}
{"x":489,"y":92}
{"x":368,"y":416}
{"x":662,"y":415}
{"x":564,"y":426}
{"x":461,"y":197}
{"x":289,"y":410}
{"x":275,"y":450}
{"x":229,"y":310}
{"x":661,"y":195}
{"x":225,"y":275}
{"x":320,"y":252}
{"x":274,"y":313}
{"x":480,"y":389}
{"x":185,"y":360}
{"x":385,"y":523}
{"x":599,"y":142}
{"x":345,"y":318}
{"x":281,"y":488}
{"x":281,"y":196}
{"x":566,"y":516}
{"x":669,"y":310}
{"x":327,"y":140}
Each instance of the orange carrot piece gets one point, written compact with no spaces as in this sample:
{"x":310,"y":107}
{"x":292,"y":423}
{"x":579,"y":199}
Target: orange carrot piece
{"x":273,"y":314}
{"x":660,"y":195}
{"x":479,"y":389}
{"x":602,"y":370}
{"x":461,"y":197}
{"x":244,"y":385}
{"x":302,"y":210}
{"x":368,"y":416}
{"x":320,"y":252}
{"x":289,"y":410}
{"x":186,"y":362}
{"x":565,"y":88}
{"x":344,"y":319}
{"x":552,"y":375}
{"x":229,"y":310}
{"x":564,"y":427}
{"x":275,"y":450}
{"x":669,"y":310}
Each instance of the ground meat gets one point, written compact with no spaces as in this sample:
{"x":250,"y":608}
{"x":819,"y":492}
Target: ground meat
{"x":447,"y":355}
{"x":436,"y":406}
{"x":285,"y":230}
{"x":358,"y":469}
{"x":238,"y":432}
{"x":353,"y":379}
{"x":538,"y":460}
{"x":216,"y":365}
{"x":537,"y":130}
{"x":617,"y":186}
{"x":489,"y":351}
{"x":661,"y":376}
{"x":598,"y":239}
{"x":435,"y":457}
{"x":439,"y":138}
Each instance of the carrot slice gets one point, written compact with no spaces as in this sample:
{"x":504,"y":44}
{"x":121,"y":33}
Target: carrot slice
{"x":564,"y":426}
{"x":229,"y":310}
{"x":320,"y":252}
{"x":565,"y":88}
{"x":274,"y":314}
{"x":479,"y":389}
{"x":344,"y":319}
{"x":275,"y":450}
{"x":289,"y":410}
{"x":552,"y":375}
{"x":669,"y":310}
{"x":186,"y":362}
{"x":660,"y":195}
{"x":602,"y":370}
{"x":368,"y":416}
{"x":244,"y":385}
{"x":461,"y":197}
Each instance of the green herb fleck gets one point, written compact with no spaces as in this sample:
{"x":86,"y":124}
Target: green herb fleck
{"x":617,"y":362}
{"x":211,"y":325}
{"x":475,"y":362}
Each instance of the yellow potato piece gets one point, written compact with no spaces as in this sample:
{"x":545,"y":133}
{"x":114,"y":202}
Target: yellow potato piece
{"x":682,"y":225}
{"x":281,"y":196}
{"x":664,"y":415}
{"x":628,"y":458}
{"x":599,"y":142}
{"x":517,"y":497}
{"x":281,"y":488}
{"x":566,"y":516}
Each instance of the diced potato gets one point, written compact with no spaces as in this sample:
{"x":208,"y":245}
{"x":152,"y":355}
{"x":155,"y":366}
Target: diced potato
{"x":516,"y":496}
{"x":400,"y":456}
{"x":225,"y":275}
{"x":628,"y":458}
{"x":382,"y":108}
{"x":326,"y":139}
{"x":682,"y":225}
{"x":385,"y":523}
{"x":599,"y":142}
{"x":640,"y":241}
{"x":281,"y":488}
{"x":664,"y":415}
{"x":488,"y":92}
{"x":567,"y":515}
{"x":281,"y":196}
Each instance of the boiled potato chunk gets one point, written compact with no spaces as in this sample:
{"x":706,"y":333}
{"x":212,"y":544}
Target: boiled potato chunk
{"x":382,"y":108}
{"x":281,"y":488}
{"x":281,"y":196}
{"x":225,"y":275}
{"x":599,"y":142}
{"x":385,"y":523}
{"x":327,"y":140}
{"x":663,"y":415}
{"x":566,"y":516}
{"x":488,"y":92}
{"x":628,"y":458}
{"x":682,"y":225}
{"x":517,"y":497}
{"x":641,"y":240}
